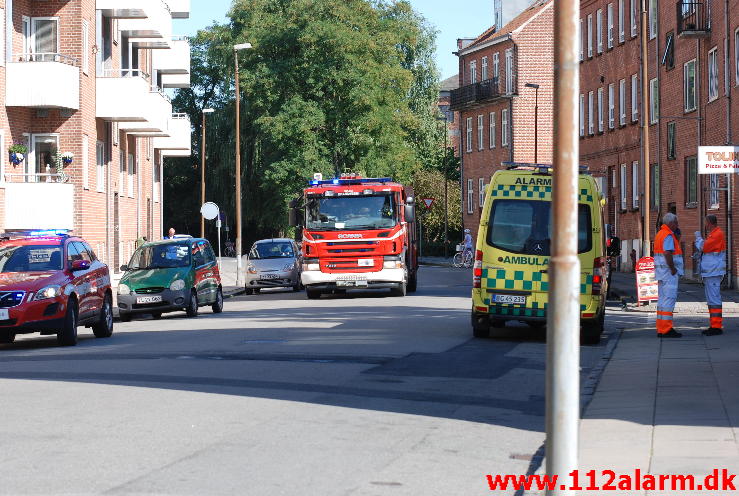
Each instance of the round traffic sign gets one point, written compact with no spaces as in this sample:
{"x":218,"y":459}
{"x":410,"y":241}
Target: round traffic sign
{"x":209,"y":210}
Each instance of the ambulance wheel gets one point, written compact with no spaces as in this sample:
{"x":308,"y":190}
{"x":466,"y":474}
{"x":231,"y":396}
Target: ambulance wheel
{"x":312,"y":294}
{"x":535,"y":324}
{"x":480,"y":326}
{"x":413,"y":282}
{"x":591,"y":331}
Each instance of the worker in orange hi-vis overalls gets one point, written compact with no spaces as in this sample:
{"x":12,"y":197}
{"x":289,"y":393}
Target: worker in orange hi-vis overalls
{"x":713,"y":269}
{"x":668,"y":267}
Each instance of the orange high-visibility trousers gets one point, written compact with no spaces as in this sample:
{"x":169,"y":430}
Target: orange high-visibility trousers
{"x":666,"y":303}
{"x":713,"y":299}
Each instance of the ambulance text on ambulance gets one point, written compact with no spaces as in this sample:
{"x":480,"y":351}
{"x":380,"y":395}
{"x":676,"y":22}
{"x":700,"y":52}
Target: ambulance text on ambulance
{"x":525,"y":260}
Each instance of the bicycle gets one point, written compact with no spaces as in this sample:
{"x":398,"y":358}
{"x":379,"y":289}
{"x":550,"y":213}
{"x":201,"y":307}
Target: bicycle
{"x":463,"y":258}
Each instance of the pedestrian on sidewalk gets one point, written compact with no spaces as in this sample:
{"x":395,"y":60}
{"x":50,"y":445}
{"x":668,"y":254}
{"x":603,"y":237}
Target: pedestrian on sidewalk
{"x":668,"y":267}
{"x":713,"y":269}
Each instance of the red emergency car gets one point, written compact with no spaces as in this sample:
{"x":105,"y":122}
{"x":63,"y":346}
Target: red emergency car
{"x":52,"y":282}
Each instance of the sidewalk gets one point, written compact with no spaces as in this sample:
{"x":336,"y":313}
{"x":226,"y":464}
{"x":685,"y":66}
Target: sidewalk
{"x":435,"y":261}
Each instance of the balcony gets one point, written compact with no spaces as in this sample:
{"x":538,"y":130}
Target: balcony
{"x":180,"y":8}
{"x":179,"y":141}
{"x":43,"y":80}
{"x":158,"y":108}
{"x":156,"y":27}
{"x":693,"y":19}
{"x":39,"y":205}
{"x":176,"y":80}
{"x":176,"y":60}
{"x":476,"y":94}
{"x":123,"y":95}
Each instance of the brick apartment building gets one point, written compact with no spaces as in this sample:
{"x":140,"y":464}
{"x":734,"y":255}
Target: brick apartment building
{"x":496,"y":107}
{"x":87,"y":77}
{"x":693,"y":71}
{"x":452,"y":118}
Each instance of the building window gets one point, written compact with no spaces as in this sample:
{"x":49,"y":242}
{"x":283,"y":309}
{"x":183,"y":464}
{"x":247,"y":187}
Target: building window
{"x":85,"y":46}
{"x":509,"y":71}
{"x":2,"y":148}
{"x":470,"y":196}
{"x":671,"y":148}
{"x":122,"y":173}
{"x":652,"y":19}
{"x":668,"y":59}
{"x":480,"y":131}
{"x":157,"y":181}
{"x":582,"y":114}
{"x":591,"y":111}
{"x":623,"y":186}
{"x":736,"y":55}
{"x":481,"y":192}
{"x":580,"y":34}
{"x":473,"y":72}
{"x":590,"y":35}
{"x":492,"y":130}
{"x":504,"y":127}
{"x":599,"y":30}
{"x":713,"y":192}
{"x":653,"y":101}
{"x":712,"y":74}
{"x":600,"y":110}
{"x":654,"y":187}
{"x":622,"y":102}
{"x":100,"y":165}
{"x":131,"y":173}
{"x":3,"y":40}
{"x":609,"y":22}
{"x":484,"y":69}
{"x":621,"y":22}
{"x":634,"y":98}
{"x":85,"y":162}
{"x":691,"y":182}
{"x":611,"y":106}
{"x":469,"y":134}
{"x":689,"y":86}
{"x":496,"y":65}
{"x":42,"y":39}
{"x":635,"y":184}
{"x":633,"y":14}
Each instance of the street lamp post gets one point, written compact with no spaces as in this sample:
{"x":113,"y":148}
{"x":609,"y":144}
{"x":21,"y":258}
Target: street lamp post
{"x":202,"y":173}
{"x":239,"y":273}
{"x":446,"y":186}
{"x":536,"y":120}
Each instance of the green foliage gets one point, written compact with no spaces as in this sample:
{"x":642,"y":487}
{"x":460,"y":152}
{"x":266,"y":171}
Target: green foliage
{"x":328,"y":86}
{"x":430,"y":184}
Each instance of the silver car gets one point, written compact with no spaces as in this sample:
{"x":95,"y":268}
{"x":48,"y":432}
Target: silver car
{"x":273,"y":263}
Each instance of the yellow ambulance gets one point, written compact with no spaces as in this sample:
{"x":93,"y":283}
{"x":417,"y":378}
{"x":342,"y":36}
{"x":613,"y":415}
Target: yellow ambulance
{"x":511,"y":271}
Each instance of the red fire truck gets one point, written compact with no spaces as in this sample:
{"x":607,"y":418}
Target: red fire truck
{"x":357,"y":233}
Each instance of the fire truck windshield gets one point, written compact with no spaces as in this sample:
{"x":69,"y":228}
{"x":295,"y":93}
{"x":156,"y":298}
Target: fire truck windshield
{"x":351,"y":212}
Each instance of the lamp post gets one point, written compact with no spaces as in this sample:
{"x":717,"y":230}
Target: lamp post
{"x":239,"y":273}
{"x":446,"y":185}
{"x":202,"y":173}
{"x":536,"y":120}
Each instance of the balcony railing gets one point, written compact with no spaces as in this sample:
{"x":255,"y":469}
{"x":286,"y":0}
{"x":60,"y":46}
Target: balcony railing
{"x":693,"y":19}
{"x":48,"y":177}
{"x":47,"y":57}
{"x":472,"y":94}
{"x":123,"y":73}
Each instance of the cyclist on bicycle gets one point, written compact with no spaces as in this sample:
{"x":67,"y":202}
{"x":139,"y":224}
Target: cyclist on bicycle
{"x":467,"y":244}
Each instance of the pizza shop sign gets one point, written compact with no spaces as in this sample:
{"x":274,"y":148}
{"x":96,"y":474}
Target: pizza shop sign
{"x":718,"y":159}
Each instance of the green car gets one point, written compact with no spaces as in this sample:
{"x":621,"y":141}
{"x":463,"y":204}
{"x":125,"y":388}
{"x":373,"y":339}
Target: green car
{"x":170,"y":275}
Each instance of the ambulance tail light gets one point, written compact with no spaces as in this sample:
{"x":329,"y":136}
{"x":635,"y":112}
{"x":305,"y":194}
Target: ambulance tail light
{"x":598,"y":272}
{"x":477,"y":270}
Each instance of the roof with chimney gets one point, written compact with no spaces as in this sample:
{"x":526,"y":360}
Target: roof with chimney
{"x":516,"y":23}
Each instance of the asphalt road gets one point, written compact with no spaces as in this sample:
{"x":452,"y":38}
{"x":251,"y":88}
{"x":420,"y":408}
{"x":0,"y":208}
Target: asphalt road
{"x":352,"y":394}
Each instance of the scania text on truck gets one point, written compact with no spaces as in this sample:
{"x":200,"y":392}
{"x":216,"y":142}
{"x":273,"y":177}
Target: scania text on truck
{"x":357,"y":233}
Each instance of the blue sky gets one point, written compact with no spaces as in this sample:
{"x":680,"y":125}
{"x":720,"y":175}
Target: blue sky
{"x":465,"y":19}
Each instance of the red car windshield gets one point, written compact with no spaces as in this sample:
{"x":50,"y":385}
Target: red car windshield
{"x":30,"y":258}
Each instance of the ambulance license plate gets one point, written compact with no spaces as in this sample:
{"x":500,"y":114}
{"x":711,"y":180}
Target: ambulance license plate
{"x":148,"y":299}
{"x":513,"y":299}
{"x":4,"y":314}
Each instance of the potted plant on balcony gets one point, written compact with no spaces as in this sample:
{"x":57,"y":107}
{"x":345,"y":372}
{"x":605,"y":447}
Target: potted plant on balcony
{"x":67,"y":158}
{"x":17,"y":153}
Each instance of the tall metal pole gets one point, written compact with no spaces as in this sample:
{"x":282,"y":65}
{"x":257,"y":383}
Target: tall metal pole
{"x":563,"y":324}
{"x":446,"y":190}
{"x":646,"y":248}
{"x":536,"y":125}
{"x":202,"y":180}
{"x":239,"y":275}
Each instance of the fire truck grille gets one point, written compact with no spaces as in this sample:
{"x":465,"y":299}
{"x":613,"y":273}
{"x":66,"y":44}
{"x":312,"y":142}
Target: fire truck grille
{"x":344,"y":243}
{"x":352,"y":250}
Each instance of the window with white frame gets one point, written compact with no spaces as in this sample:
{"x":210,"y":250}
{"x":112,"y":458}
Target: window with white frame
{"x":634,"y":98}
{"x":599,"y":30}
{"x":85,"y":46}
{"x":492,"y":130}
{"x":611,"y":106}
{"x":496,"y":65}
{"x":623,"y":186}
{"x":600,"y":110}
{"x":590,"y":35}
{"x":469,"y":134}
{"x":591,"y":111}
{"x":653,"y":101}
{"x":131,"y":173}
{"x":480,"y":131}
{"x":473,"y":72}
{"x":622,"y":102}
{"x":122,"y":173}
{"x":652,"y":19}
{"x":635,"y":184}
{"x":484,"y":69}
{"x":509,"y":71}
{"x":690,"y":101}
{"x":481,"y":192}
{"x":633,"y":14}
{"x":2,"y":147}
{"x":582,"y":114}
{"x":470,"y":196}
{"x":42,"y":39}
{"x":580,"y":34}
{"x":609,"y":23}
{"x":621,"y":21}
{"x":157,"y":182}
{"x":504,"y":127}
{"x":2,"y":41}
{"x":713,"y":192}
{"x":713,"y":74}
{"x":100,"y":165}
{"x":85,"y":162}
